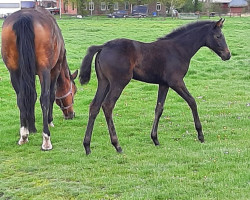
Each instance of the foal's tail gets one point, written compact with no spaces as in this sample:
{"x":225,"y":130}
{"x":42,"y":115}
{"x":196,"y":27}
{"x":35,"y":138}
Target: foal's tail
{"x":24,"y":30}
{"x":85,"y":70}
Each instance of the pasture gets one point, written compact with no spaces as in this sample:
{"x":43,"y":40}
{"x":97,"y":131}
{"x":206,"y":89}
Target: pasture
{"x":180,"y":168}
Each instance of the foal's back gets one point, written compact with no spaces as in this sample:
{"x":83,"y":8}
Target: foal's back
{"x":147,"y":62}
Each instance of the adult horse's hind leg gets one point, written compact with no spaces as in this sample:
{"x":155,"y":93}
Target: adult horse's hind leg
{"x":181,"y":89}
{"x":24,"y":132}
{"x":94,"y":109}
{"x":27,"y":122}
{"x":162,"y":93}
{"x":108,"y":106}
{"x":45,"y":101}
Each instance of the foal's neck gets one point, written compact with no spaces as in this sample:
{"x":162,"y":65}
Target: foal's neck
{"x":192,"y":40}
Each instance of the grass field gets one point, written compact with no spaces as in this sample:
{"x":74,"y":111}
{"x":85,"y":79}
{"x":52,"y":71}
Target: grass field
{"x":180,"y":168}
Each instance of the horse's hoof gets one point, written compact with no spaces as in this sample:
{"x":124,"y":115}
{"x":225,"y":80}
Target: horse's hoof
{"x":119,"y":150}
{"x":32,"y":130}
{"x":88,"y":152}
{"x":201,"y":139}
{"x":51,"y":124}
{"x":46,"y":146}
{"x":23,"y":141}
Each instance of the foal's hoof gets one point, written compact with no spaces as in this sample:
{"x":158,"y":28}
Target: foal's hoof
{"x":119,"y":150}
{"x":156,"y":141}
{"x":87,"y":152}
{"x":201,"y":138}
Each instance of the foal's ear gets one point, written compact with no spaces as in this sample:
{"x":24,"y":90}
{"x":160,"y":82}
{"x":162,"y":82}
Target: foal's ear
{"x":219,"y":23}
{"x":74,"y":75}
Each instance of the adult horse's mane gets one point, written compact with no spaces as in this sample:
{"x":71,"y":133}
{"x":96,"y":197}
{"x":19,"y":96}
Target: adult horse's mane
{"x":186,"y":28}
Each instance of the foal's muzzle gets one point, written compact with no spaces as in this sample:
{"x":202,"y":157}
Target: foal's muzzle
{"x":226,"y":55}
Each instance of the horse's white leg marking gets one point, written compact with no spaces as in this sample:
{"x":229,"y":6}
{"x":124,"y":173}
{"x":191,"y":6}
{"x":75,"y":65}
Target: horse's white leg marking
{"x":51,"y":124}
{"x":24,"y":134}
{"x":46,"y":142}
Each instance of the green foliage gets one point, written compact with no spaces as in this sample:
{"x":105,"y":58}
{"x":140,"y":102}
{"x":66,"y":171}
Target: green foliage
{"x":180,"y":168}
{"x":191,"y":6}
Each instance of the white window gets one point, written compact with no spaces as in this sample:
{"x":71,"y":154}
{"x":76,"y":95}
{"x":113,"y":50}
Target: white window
{"x":103,"y":6}
{"x":126,"y":5}
{"x":109,"y":6}
{"x":91,"y":6}
{"x":85,"y":6}
{"x":158,"y":6}
{"x":116,"y":6}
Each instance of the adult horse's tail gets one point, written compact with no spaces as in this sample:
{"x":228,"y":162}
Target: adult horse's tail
{"x":85,"y":70}
{"x":24,"y":30}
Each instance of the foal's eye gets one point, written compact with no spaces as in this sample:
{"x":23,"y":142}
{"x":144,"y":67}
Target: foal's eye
{"x":218,"y":36}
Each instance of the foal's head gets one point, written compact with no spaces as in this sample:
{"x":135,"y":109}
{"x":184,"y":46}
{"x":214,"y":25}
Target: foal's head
{"x":216,"y":41}
{"x":65,"y":96}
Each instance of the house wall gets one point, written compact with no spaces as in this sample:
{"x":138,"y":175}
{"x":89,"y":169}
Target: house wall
{"x":69,"y":8}
{"x":47,"y":3}
{"x":152,"y":9}
{"x":235,"y":10}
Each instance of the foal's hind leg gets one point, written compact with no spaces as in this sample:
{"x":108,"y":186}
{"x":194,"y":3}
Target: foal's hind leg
{"x":94,"y":109}
{"x":108,"y":106}
{"x":162,"y":93}
{"x":181,"y":89}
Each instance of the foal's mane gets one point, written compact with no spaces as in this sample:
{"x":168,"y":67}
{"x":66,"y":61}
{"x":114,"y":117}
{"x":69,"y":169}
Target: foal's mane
{"x":186,"y":28}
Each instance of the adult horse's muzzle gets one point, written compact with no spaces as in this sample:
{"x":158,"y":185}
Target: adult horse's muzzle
{"x":226,"y":54}
{"x":69,"y":115}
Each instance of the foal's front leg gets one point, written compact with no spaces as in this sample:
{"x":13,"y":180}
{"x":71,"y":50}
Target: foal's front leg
{"x":162,"y":93}
{"x":45,"y":101}
{"x":181,"y":89}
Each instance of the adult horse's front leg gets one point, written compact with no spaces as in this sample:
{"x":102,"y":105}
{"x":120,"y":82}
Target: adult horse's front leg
{"x":54,"y":76}
{"x":162,"y":93}
{"x":45,"y":102}
{"x":181,"y":89}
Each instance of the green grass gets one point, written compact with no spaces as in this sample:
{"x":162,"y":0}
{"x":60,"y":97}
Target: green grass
{"x":180,"y":168}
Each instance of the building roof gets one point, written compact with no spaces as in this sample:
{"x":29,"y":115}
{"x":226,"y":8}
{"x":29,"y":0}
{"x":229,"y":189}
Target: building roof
{"x":238,"y":3}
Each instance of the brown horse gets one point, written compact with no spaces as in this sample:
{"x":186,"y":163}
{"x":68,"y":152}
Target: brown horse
{"x":164,"y":62}
{"x":32,"y":44}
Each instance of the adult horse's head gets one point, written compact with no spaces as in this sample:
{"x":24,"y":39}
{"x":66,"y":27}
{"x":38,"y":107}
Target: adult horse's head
{"x":65,"y":95}
{"x":216,"y":41}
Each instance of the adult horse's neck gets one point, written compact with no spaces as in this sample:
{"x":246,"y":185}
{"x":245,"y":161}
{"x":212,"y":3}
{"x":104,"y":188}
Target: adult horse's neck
{"x":63,"y":81}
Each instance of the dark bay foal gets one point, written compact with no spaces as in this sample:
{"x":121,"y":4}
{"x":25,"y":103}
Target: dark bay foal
{"x":164,"y":62}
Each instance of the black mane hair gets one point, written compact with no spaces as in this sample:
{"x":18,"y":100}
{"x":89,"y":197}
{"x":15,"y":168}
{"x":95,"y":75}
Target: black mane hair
{"x":184,"y":29}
